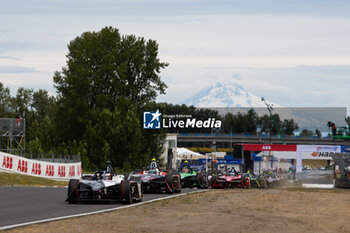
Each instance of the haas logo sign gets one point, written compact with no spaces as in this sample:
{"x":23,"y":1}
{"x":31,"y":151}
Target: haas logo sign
{"x":36,"y":169}
{"x":22,"y":166}
{"x":322,"y":154}
{"x":7,"y":162}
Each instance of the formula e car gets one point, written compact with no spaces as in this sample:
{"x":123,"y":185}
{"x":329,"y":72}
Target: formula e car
{"x":229,"y":180}
{"x":257,"y":181}
{"x":156,"y":181}
{"x":194,"y":179}
{"x":273,"y":180}
{"x":104,"y":185}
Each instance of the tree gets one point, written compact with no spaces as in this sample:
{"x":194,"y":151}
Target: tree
{"x":43,"y":104}
{"x":307,"y":133}
{"x":289,"y":126}
{"x":240,"y":122}
{"x":347,"y":120}
{"x":5,"y":101}
{"x":266,"y":125}
{"x":318,"y":133}
{"x":112,"y":77}
{"x":23,"y":100}
{"x":286,"y":127}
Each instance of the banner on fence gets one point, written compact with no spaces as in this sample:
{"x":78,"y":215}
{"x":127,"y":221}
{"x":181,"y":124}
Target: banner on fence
{"x":17,"y":164}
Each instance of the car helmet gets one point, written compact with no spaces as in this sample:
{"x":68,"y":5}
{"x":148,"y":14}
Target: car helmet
{"x":154,"y":160}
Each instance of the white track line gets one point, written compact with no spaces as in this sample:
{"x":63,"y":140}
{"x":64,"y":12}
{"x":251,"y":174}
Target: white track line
{"x":99,"y":211}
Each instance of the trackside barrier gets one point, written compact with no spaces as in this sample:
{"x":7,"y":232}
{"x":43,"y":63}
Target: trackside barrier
{"x":17,"y":164}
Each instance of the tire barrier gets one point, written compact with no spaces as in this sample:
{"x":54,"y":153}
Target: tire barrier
{"x":20,"y":165}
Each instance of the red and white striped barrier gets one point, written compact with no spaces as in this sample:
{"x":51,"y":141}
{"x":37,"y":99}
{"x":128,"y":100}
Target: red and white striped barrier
{"x":17,"y":164}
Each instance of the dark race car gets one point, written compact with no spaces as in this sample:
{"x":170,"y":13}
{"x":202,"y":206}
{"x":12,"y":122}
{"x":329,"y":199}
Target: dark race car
{"x":156,"y":181}
{"x":229,"y":180}
{"x":153,"y":180}
{"x":104,"y":185}
{"x":193,"y":179}
{"x":257,"y":181}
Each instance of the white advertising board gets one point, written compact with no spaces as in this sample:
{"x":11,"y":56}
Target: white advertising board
{"x":17,"y":164}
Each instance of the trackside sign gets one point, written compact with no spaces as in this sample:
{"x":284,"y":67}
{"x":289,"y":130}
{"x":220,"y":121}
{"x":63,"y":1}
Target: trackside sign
{"x":153,"y":120}
{"x":17,"y":164}
{"x":269,"y":147}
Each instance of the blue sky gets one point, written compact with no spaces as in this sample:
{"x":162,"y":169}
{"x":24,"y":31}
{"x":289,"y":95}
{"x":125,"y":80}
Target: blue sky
{"x":295,"y":53}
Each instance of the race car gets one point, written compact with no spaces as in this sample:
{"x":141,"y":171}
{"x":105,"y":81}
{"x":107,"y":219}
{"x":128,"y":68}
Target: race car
{"x":104,"y":185}
{"x":229,"y":180}
{"x":153,"y":180}
{"x":193,"y":179}
{"x":257,"y":181}
{"x":274,"y":180}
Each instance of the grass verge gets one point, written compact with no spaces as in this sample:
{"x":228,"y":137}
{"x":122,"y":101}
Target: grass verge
{"x":18,"y":179}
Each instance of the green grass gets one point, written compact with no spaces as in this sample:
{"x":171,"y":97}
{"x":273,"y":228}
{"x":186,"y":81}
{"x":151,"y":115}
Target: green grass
{"x":17,"y":179}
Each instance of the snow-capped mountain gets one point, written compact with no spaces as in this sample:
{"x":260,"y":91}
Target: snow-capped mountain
{"x":225,"y":94}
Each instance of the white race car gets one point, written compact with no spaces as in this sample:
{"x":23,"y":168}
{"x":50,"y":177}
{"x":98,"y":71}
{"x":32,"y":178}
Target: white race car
{"x":104,"y":185}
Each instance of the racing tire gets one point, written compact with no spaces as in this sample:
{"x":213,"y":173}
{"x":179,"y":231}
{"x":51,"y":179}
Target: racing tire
{"x":204,"y":181}
{"x":169,"y":180}
{"x":73,"y":191}
{"x":178,"y":182}
{"x":212,"y":181}
{"x":126,"y":191}
{"x":199,"y":177}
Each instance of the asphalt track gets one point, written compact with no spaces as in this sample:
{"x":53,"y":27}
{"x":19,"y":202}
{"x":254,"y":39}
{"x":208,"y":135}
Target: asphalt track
{"x":27,"y":204}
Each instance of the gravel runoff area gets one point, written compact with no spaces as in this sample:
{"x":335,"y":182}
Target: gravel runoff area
{"x":237,"y":210}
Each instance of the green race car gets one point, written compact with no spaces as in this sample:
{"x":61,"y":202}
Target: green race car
{"x":193,"y":179}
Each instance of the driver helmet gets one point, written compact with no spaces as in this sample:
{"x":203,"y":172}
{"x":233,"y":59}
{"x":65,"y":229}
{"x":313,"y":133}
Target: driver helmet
{"x":186,"y":162}
{"x":154,"y":160}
